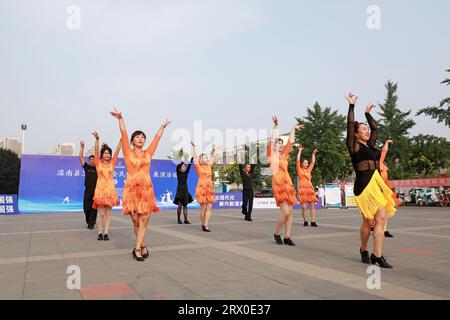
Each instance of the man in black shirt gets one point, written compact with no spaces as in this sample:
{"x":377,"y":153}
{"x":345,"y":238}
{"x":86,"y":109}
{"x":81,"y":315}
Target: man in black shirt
{"x":90,"y":181}
{"x":247,"y":193}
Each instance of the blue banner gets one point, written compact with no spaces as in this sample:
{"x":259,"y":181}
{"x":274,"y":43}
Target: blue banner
{"x":228,"y":200}
{"x":56,"y":183}
{"x":8,"y":204}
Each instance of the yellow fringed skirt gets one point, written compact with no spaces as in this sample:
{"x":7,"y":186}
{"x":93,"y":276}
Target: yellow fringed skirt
{"x":376,"y":195}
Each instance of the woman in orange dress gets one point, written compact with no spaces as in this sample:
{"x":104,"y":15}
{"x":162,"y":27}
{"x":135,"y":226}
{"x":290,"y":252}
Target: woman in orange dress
{"x":138,"y":197}
{"x":282,"y":186}
{"x":306,"y":192}
{"x":204,"y":193}
{"x":384,"y":174}
{"x":105,"y":196}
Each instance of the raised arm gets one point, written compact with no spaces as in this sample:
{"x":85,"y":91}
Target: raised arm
{"x":82,"y":161}
{"x":116,"y":153}
{"x":241,"y":169}
{"x":189,"y":166}
{"x":274,"y":137}
{"x":96,"y":147}
{"x":350,"y":140}
{"x":385,"y":150}
{"x":373,"y":126}
{"x":154,"y":144}
{"x":313,"y":160}
{"x":213,"y":157}
{"x":299,"y":155}
{"x":194,"y":148}
{"x":125,"y":141}
{"x":291,"y":140}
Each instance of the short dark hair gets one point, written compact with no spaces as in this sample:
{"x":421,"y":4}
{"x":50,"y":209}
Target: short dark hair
{"x":137,"y":133}
{"x":105,"y":148}
{"x":91,"y":157}
{"x":279,"y":139}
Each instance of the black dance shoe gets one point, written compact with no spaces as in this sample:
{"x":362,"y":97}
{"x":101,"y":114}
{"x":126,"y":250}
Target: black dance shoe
{"x":179,"y":221}
{"x":146,"y":254}
{"x":314,"y":224}
{"x":305,"y":224}
{"x":248,"y":218}
{"x":381,"y":261}
{"x":100,"y":237}
{"x":387,"y":234}
{"x":278,"y":239}
{"x":207,"y":229}
{"x":186,"y":222}
{"x":106,"y":237}
{"x":364,"y":256}
{"x":141,"y":258}
{"x":289,"y":242}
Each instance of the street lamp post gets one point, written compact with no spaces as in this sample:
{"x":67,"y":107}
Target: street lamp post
{"x":24,"y":128}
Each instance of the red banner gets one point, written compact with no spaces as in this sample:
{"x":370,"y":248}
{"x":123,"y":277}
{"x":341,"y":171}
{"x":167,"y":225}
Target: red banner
{"x":427,"y":183}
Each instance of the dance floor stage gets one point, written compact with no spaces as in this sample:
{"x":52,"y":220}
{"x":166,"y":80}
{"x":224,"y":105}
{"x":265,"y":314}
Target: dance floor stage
{"x":237,"y":260}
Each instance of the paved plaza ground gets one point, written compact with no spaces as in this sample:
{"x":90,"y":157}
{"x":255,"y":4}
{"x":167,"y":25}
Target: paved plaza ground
{"x":237,"y":260}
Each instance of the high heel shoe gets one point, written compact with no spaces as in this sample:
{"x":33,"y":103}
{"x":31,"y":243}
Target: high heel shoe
{"x":141,"y":258}
{"x":289,"y":242}
{"x":314,"y":224}
{"x":278,"y":239}
{"x":387,"y":234}
{"x":364,"y":256}
{"x":381,"y":261}
{"x":179,"y":221}
{"x":106,"y":237}
{"x":146,"y":254}
{"x":186,"y":222}
{"x":203,"y":228}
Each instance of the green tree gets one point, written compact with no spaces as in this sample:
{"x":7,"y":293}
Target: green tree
{"x":442,"y":112}
{"x":9,"y":172}
{"x":324,"y":129}
{"x":395,"y":125}
{"x":427,"y":154}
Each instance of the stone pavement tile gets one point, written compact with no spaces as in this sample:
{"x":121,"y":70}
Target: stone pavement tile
{"x":426,"y":286}
{"x":354,"y":295}
{"x":43,"y":245}
{"x":50,"y":284}
{"x":114,"y":290}
{"x":46,"y":271}
{"x":160,"y":286}
{"x":281,"y":292}
{"x":11,"y":291}
{"x":13,"y":228}
{"x":53,"y":294}
{"x":15,"y":246}
{"x":12,"y":274}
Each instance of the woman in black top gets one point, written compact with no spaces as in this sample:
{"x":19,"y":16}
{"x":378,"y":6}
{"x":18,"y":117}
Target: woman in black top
{"x":372,"y":195}
{"x":183,"y":197}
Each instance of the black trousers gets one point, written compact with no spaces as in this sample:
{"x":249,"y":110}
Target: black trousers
{"x":89,"y":212}
{"x":247,"y":201}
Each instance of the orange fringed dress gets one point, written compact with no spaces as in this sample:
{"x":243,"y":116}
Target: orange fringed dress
{"x":105,"y":191}
{"x":384,"y":174}
{"x":306,"y":192}
{"x":138,"y":195}
{"x":282,"y":186}
{"x":204,"y":193}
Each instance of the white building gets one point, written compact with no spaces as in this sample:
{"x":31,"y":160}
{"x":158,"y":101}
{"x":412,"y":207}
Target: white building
{"x":65,"y":149}
{"x":11,"y":144}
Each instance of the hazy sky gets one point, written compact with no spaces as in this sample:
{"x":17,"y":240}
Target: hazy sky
{"x":229,"y":63}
